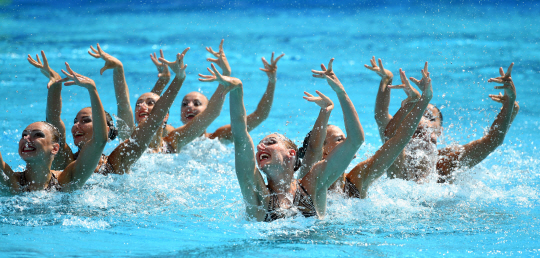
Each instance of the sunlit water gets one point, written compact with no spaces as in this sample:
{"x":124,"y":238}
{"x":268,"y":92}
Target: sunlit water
{"x":190,"y":203}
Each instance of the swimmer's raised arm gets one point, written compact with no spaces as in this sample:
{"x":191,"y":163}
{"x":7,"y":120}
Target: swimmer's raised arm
{"x":265,"y":104}
{"x":327,"y":171}
{"x":251,"y":182}
{"x":313,"y":152}
{"x":129,"y":151}
{"x":183,"y":135}
{"x":126,"y":123}
{"x":382,"y":116}
{"x":406,"y":105}
{"x":474,"y":152}
{"x":77,"y":172}
{"x":164,"y":76}
{"x":54,"y":110}
{"x":366,"y":172}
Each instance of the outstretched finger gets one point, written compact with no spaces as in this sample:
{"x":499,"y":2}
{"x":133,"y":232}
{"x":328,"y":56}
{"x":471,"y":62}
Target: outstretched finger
{"x":401,"y":86}
{"x":381,"y":65}
{"x":497,"y":80}
{"x":322,"y":95}
{"x":185,"y":51}
{"x":330,"y":64}
{"x":265,"y":63}
{"x":206,"y":76}
{"x":69,"y":76}
{"x":272,"y":58}
{"x":221,"y":45}
{"x":165,"y":61}
{"x":277,"y":59}
{"x":502,"y":87}
{"x":509,"y":71}
{"x":45,"y":62}
{"x":216,"y":72}
{"x":160,"y":53}
{"x":100,"y":51}
{"x":33,"y":62}
{"x":403,"y":76}
{"x":501,"y":71}
{"x":95,"y":54}
{"x":154,"y":59}
{"x":373,"y":63}
{"x":426,"y":67}
{"x":414,"y":80}
{"x":307,"y":93}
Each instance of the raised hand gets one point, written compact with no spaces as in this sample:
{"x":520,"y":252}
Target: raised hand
{"x":45,"y":69}
{"x":74,"y":78}
{"x":163,"y":70}
{"x":220,"y":60}
{"x":110,"y":61}
{"x":423,"y":83}
{"x":330,"y":77}
{"x":379,"y":69}
{"x":412,"y":94}
{"x":229,"y":83}
{"x":322,"y":101}
{"x":271,"y":69}
{"x":506,"y":80}
{"x":177,"y":66}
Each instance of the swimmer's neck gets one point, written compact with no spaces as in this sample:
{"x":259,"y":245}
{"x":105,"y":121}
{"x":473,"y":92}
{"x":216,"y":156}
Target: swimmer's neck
{"x":282,"y":183}
{"x":38,"y":174}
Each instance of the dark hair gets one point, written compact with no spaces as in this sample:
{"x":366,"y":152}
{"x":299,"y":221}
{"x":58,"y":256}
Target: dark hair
{"x":113,"y":132}
{"x":54,"y":130}
{"x":440,"y":113}
{"x":302,"y":152}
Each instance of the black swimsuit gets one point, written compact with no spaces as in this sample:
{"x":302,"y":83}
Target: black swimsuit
{"x":302,"y":201}
{"x":350,"y":189}
{"x":53,"y":183}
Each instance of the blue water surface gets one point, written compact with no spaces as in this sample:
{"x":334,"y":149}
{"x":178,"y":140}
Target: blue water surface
{"x":189,"y":204}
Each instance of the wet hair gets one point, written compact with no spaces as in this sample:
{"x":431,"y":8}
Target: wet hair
{"x":54,"y":130}
{"x":113,"y":131}
{"x":302,"y":152}
{"x":440,"y":113}
{"x":291,"y":145}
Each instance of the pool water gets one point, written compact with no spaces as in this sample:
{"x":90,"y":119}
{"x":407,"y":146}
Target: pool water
{"x":189,"y":204}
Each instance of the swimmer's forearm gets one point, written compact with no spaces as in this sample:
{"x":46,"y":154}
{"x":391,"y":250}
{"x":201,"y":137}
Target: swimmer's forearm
{"x":355,"y":132}
{"x":160,"y":84}
{"x":263,"y":108}
{"x":382,"y":102}
{"x":126,"y":123}
{"x":397,"y":120}
{"x":314,"y":150}
{"x":54,"y":108}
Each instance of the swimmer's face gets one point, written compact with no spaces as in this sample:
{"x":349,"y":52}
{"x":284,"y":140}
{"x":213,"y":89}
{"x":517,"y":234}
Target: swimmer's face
{"x":334,"y":137}
{"x":144,"y":106}
{"x":273,"y":150}
{"x":193,"y":104}
{"x":430,"y":127}
{"x":36,"y":142}
{"x":83,"y":128}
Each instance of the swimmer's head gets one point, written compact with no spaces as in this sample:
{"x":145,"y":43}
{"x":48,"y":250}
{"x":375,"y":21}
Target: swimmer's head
{"x":276,"y":151}
{"x":430,"y":127}
{"x":193,"y":104}
{"x":83,"y":127}
{"x":39,"y":141}
{"x":334,"y":137}
{"x":144,"y":106}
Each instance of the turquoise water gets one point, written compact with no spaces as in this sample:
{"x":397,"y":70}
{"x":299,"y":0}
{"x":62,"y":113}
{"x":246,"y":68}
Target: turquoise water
{"x":190,"y":203}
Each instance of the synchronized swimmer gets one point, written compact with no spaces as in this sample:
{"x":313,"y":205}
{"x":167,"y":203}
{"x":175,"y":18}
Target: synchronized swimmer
{"x":297,"y":179}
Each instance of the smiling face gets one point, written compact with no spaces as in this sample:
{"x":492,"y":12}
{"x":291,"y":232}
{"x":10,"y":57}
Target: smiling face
{"x":37,"y":143}
{"x":144,"y":106}
{"x":83,"y":128}
{"x":334,"y":136}
{"x":430,"y":127}
{"x":274,"y":151}
{"x":193,"y":104}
